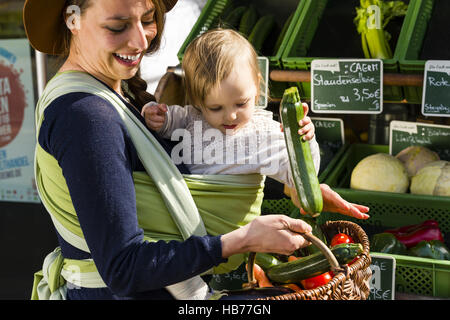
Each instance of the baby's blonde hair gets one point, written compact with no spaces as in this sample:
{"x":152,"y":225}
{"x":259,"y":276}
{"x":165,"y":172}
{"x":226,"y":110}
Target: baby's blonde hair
{"x":209,"y":59}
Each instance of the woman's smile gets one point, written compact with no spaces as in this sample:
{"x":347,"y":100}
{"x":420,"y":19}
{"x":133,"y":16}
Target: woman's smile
{"x":128,"y":60}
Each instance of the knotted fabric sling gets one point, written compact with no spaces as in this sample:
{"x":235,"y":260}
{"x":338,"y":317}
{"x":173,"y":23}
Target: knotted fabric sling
{"x":170,"y":206}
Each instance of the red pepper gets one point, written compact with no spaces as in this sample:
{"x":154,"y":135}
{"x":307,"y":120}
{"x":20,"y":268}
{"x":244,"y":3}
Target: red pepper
{"x":422,"y":234}
{"x":413,"y":227}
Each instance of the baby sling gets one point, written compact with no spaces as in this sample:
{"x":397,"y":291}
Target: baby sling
{"x":181,"y":205}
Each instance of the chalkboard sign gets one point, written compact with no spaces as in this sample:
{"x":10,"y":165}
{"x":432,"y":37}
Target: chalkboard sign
{"x":382,"y":283}
{"x":347,"y":86}
{"x":436,"y":89}
{"x":263,"y":64}
{"x":435,"y":137}
{"x":329,"y":132}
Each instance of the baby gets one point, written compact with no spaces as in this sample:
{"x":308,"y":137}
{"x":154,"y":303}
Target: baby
{"x":222,"y":129}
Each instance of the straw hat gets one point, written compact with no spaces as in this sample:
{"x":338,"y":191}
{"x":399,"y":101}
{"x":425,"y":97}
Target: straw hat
{"x":41,"y":19}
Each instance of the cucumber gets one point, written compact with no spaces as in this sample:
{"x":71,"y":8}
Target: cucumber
{"x":302,"y":165}
{"x":248,"y":21}
{"x":233,"y":19}
{"x":261,"y":31}
{"x":266,"y":260}
{"x":313,"y":265}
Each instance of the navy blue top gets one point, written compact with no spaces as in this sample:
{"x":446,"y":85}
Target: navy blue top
{"x":85,"y":134}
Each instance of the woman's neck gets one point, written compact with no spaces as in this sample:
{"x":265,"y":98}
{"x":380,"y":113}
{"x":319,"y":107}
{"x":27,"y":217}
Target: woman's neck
{"x":73,"y":65}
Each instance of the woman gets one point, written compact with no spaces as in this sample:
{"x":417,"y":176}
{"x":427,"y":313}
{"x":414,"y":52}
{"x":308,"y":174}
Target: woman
{"x":91,"y":168}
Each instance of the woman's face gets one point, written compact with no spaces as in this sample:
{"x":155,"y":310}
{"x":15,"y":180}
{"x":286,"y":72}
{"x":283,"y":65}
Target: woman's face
{"x":230,"y":106}
{"x":113,"y":37}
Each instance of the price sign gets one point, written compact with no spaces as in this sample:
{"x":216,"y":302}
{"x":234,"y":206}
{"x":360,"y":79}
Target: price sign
{"x":434,"y":137}
{"x":329,"y":131}
{"x":382,"y":283}
{"x":436,"y":89}
{"x":329,"y":134}
{"x":347,"y":86}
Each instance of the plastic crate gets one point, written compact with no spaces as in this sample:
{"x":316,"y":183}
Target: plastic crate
{"x":325,"y":24}
{"x":386,"y":208}
{"x":415,"y":37}
{"x":413,"y":275}
{"x":281,"y":10}
{"x":421,"y":276}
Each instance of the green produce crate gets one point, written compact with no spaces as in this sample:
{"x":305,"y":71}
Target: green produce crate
{"x":325,"y":29}
{"x":422,"y":32}
{"x":388,"y":210}
{"x":421,"y":276}
{"x":214,"y":10}
{"x":285,"y":205}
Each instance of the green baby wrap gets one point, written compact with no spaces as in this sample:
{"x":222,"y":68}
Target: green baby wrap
{"x":170,"y":206}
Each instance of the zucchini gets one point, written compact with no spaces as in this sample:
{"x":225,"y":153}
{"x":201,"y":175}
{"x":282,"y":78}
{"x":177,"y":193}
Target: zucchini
{"x":261,"y":31}
{"x":248,"y":21}
{"x":265,"y":260}
{"x":302,"y":165}
{"x":233,"y":19}
{"x":313,"y":265}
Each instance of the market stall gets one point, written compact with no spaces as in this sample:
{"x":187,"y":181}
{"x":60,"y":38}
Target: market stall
{"x":373,"y":91}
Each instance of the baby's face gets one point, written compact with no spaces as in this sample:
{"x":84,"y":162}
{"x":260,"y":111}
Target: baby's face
{"x":230,"y":105}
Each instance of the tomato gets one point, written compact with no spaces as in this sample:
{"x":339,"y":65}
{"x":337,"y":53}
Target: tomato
{"x":317,"y":281}
{"x":341,"y":238}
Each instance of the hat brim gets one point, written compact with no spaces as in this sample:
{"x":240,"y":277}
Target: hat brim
{"x":43,"y":31}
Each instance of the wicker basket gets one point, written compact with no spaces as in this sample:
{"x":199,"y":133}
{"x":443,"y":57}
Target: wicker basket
{"x":349,"y":283}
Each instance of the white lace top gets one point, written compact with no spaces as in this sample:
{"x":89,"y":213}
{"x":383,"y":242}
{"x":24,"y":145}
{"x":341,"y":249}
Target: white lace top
{"x":258,"y":147}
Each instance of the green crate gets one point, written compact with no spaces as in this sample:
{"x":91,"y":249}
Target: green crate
{"x":387,"y":210}
{"x":409,"y":57}
{"x":312,"y":31}
{"x":421,"y":276}
{"x":281,"y":11}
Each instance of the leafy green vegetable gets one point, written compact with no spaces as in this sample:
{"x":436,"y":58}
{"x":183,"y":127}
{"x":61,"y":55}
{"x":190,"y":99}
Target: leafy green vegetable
{"x":371,"y":20}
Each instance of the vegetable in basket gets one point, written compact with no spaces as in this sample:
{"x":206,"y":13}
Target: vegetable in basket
{"x":313,"y":265}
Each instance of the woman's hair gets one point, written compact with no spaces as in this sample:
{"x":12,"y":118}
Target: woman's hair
{"x":136,"y":86}
{"x":209,"y":59}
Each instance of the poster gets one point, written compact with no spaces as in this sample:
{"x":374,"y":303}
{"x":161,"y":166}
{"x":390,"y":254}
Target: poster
{"x":17,"y":129}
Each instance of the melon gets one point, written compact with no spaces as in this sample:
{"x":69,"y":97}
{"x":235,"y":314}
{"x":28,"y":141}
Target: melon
{"x":380,"y":172}
{"x":432,"y":179}
{"x":415,"y":158}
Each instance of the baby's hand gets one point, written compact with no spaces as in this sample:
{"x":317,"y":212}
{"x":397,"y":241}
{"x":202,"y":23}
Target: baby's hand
{"x":154,"y":115}
{"x":306,"y":126}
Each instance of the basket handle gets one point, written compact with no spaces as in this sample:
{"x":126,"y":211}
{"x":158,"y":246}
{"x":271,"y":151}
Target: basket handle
{"x":335,"y":267}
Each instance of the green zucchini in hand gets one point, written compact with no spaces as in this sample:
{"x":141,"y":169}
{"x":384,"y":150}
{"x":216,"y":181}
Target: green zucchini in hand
{"x":313,"y":265}
{"x":300,"y":158}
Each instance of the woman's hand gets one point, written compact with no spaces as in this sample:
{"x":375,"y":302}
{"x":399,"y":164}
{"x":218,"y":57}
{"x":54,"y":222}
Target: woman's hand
{"x":333,"y":202}
{"x":270,"y":233}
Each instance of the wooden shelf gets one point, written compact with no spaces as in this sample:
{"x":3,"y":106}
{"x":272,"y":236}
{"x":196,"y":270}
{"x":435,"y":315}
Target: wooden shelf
{"x":389,"y":79}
